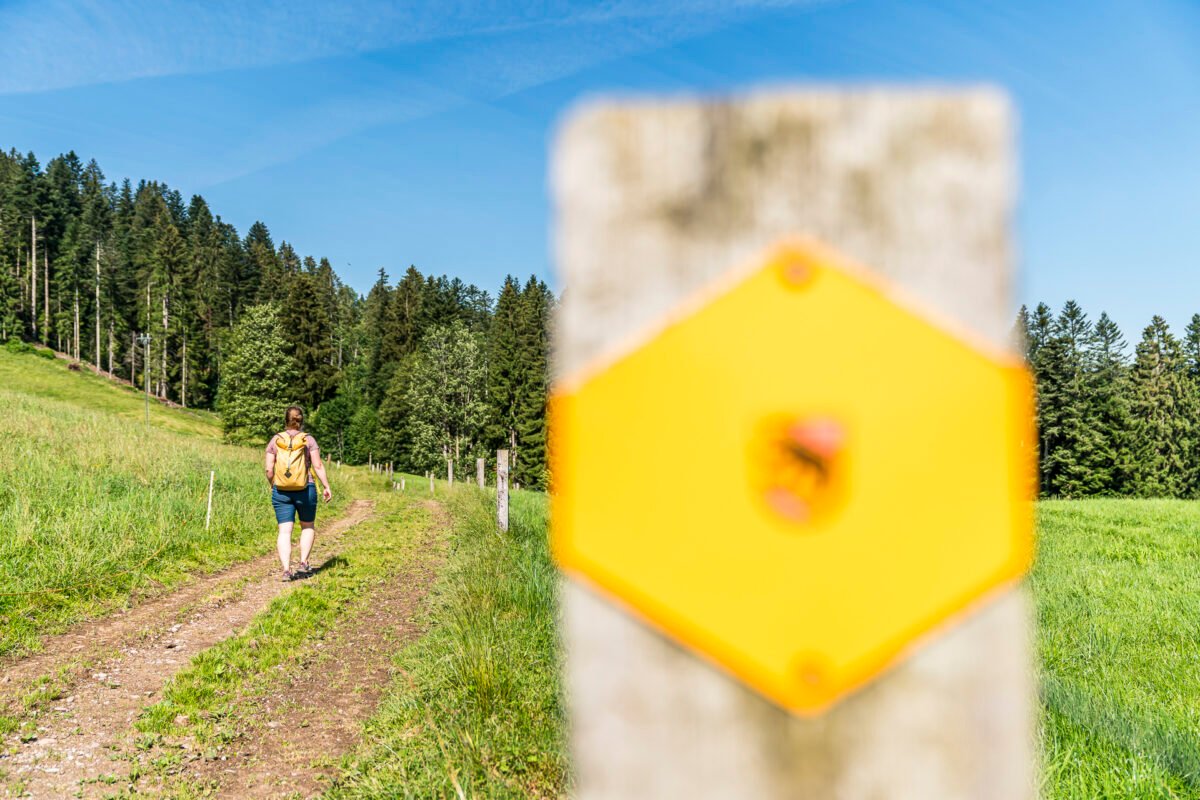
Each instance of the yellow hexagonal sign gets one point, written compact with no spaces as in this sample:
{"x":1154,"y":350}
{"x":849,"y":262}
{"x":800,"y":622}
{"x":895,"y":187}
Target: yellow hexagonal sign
{"x":798,"y":476}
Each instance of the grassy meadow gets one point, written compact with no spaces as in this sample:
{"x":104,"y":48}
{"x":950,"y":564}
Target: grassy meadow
{"x":96,"y":506}
{"x":1117,"y":588}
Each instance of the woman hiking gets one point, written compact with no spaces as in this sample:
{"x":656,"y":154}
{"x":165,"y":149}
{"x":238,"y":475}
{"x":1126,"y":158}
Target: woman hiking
{"x":293,"y":458}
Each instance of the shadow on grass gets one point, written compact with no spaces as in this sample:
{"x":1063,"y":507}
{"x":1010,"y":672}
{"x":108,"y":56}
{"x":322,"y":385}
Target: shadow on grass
{"x":329,"y":563}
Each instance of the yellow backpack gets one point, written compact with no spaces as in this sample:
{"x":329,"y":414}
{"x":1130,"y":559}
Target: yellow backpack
{"x":291,"y":462}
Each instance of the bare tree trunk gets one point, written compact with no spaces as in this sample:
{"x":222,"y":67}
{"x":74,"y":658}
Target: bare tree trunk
{"x":33,"y":303}
{"x":166,"y":328}
{"x":183,"y":383}
{"x":98,"y":306}
{"x":149,"y":317}
{"x":46,"y":295}
{"x":20,"y":281}
{"x":111,"y":345}
{"x":75,"y":344}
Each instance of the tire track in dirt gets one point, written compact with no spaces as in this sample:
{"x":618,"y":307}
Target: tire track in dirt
{"x":316,"y":717}
{"x":113,"y":668}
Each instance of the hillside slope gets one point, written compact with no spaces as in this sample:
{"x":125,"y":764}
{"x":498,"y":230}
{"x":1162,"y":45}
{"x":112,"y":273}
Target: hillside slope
{"x":97,"y":507}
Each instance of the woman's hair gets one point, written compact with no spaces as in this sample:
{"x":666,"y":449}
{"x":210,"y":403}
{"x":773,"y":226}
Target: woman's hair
{"x":293,"y":417}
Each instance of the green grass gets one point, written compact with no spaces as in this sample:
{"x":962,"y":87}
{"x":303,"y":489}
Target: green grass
{"x":96,"y":507}
{"x":1117,"y":587}
{"x":477,"y":710}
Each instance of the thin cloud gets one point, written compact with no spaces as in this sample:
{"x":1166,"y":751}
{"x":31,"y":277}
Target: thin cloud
{"x":56,"y":44}
{"x":479,"y":68}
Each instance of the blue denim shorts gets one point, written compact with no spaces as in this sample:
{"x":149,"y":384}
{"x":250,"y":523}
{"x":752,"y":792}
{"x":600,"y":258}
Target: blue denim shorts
{"x":288,"y":504}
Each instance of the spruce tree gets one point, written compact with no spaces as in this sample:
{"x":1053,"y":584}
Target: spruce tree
{"x":1039,"y":328}
{"x":1070,"y":464}
{"x":1191,"y":348}
{"x":168,"y":260}
{"x":308,"y":333}
{"x":334,"y":419}
{"x":1191,"y":357}
{"x":504,"y":373}
{"x":1020,"y":333}
{"x":1162,"y":411}
{"x":531,"y":468}
{"x":10,"y":295}
{"x":401,"y":329}
{"x":395,"y":434}
{"x":330,"y":422}
{"x":208,"y":298}
{"x":363,"y":434}
{"x":373,"y":331}
{"x":255,"y":381}
{"x":260,"y":278}
{"x":1111,"y":461}
{"x":1051,"y":369}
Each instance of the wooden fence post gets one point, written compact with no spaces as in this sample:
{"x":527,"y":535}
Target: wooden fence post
{"x":654,"y":201}
{"x":208,"y":516}
{"x":502,"y":489}
{"x":431,"y":481}
{"x":450,"y":471}
{"x":479,"y":472}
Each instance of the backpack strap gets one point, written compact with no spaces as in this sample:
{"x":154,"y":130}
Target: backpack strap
{"x":300,"y":442}
{"x":293,"y":442}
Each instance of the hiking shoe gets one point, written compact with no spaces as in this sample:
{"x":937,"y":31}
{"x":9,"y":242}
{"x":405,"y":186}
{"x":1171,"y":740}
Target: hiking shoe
{"x":287,"y":575}
{"x":304,"y":570}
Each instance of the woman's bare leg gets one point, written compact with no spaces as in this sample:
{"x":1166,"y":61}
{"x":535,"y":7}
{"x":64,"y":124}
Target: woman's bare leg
{"x":308,"y":534}
{"x":284,"y":543}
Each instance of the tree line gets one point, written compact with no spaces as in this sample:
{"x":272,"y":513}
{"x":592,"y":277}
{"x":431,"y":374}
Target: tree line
{"x":162,"y":292}
{"x":1112,"y":423}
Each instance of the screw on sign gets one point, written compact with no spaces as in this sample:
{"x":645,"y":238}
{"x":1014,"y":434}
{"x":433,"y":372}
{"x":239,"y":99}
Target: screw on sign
{"x":874,"y":463}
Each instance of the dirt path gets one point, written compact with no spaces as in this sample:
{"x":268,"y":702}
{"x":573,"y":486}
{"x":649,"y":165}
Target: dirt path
{"x":109,"y":670}
{"x":316,"y":716}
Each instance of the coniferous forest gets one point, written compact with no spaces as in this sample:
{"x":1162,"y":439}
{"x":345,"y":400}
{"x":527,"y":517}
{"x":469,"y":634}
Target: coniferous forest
{"x":425,"y":369}
{"x":418,"y":371}
{"x":1112,"y":422}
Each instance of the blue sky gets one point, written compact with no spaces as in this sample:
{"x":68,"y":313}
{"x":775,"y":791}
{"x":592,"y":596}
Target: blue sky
{"x":381,"y":135}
